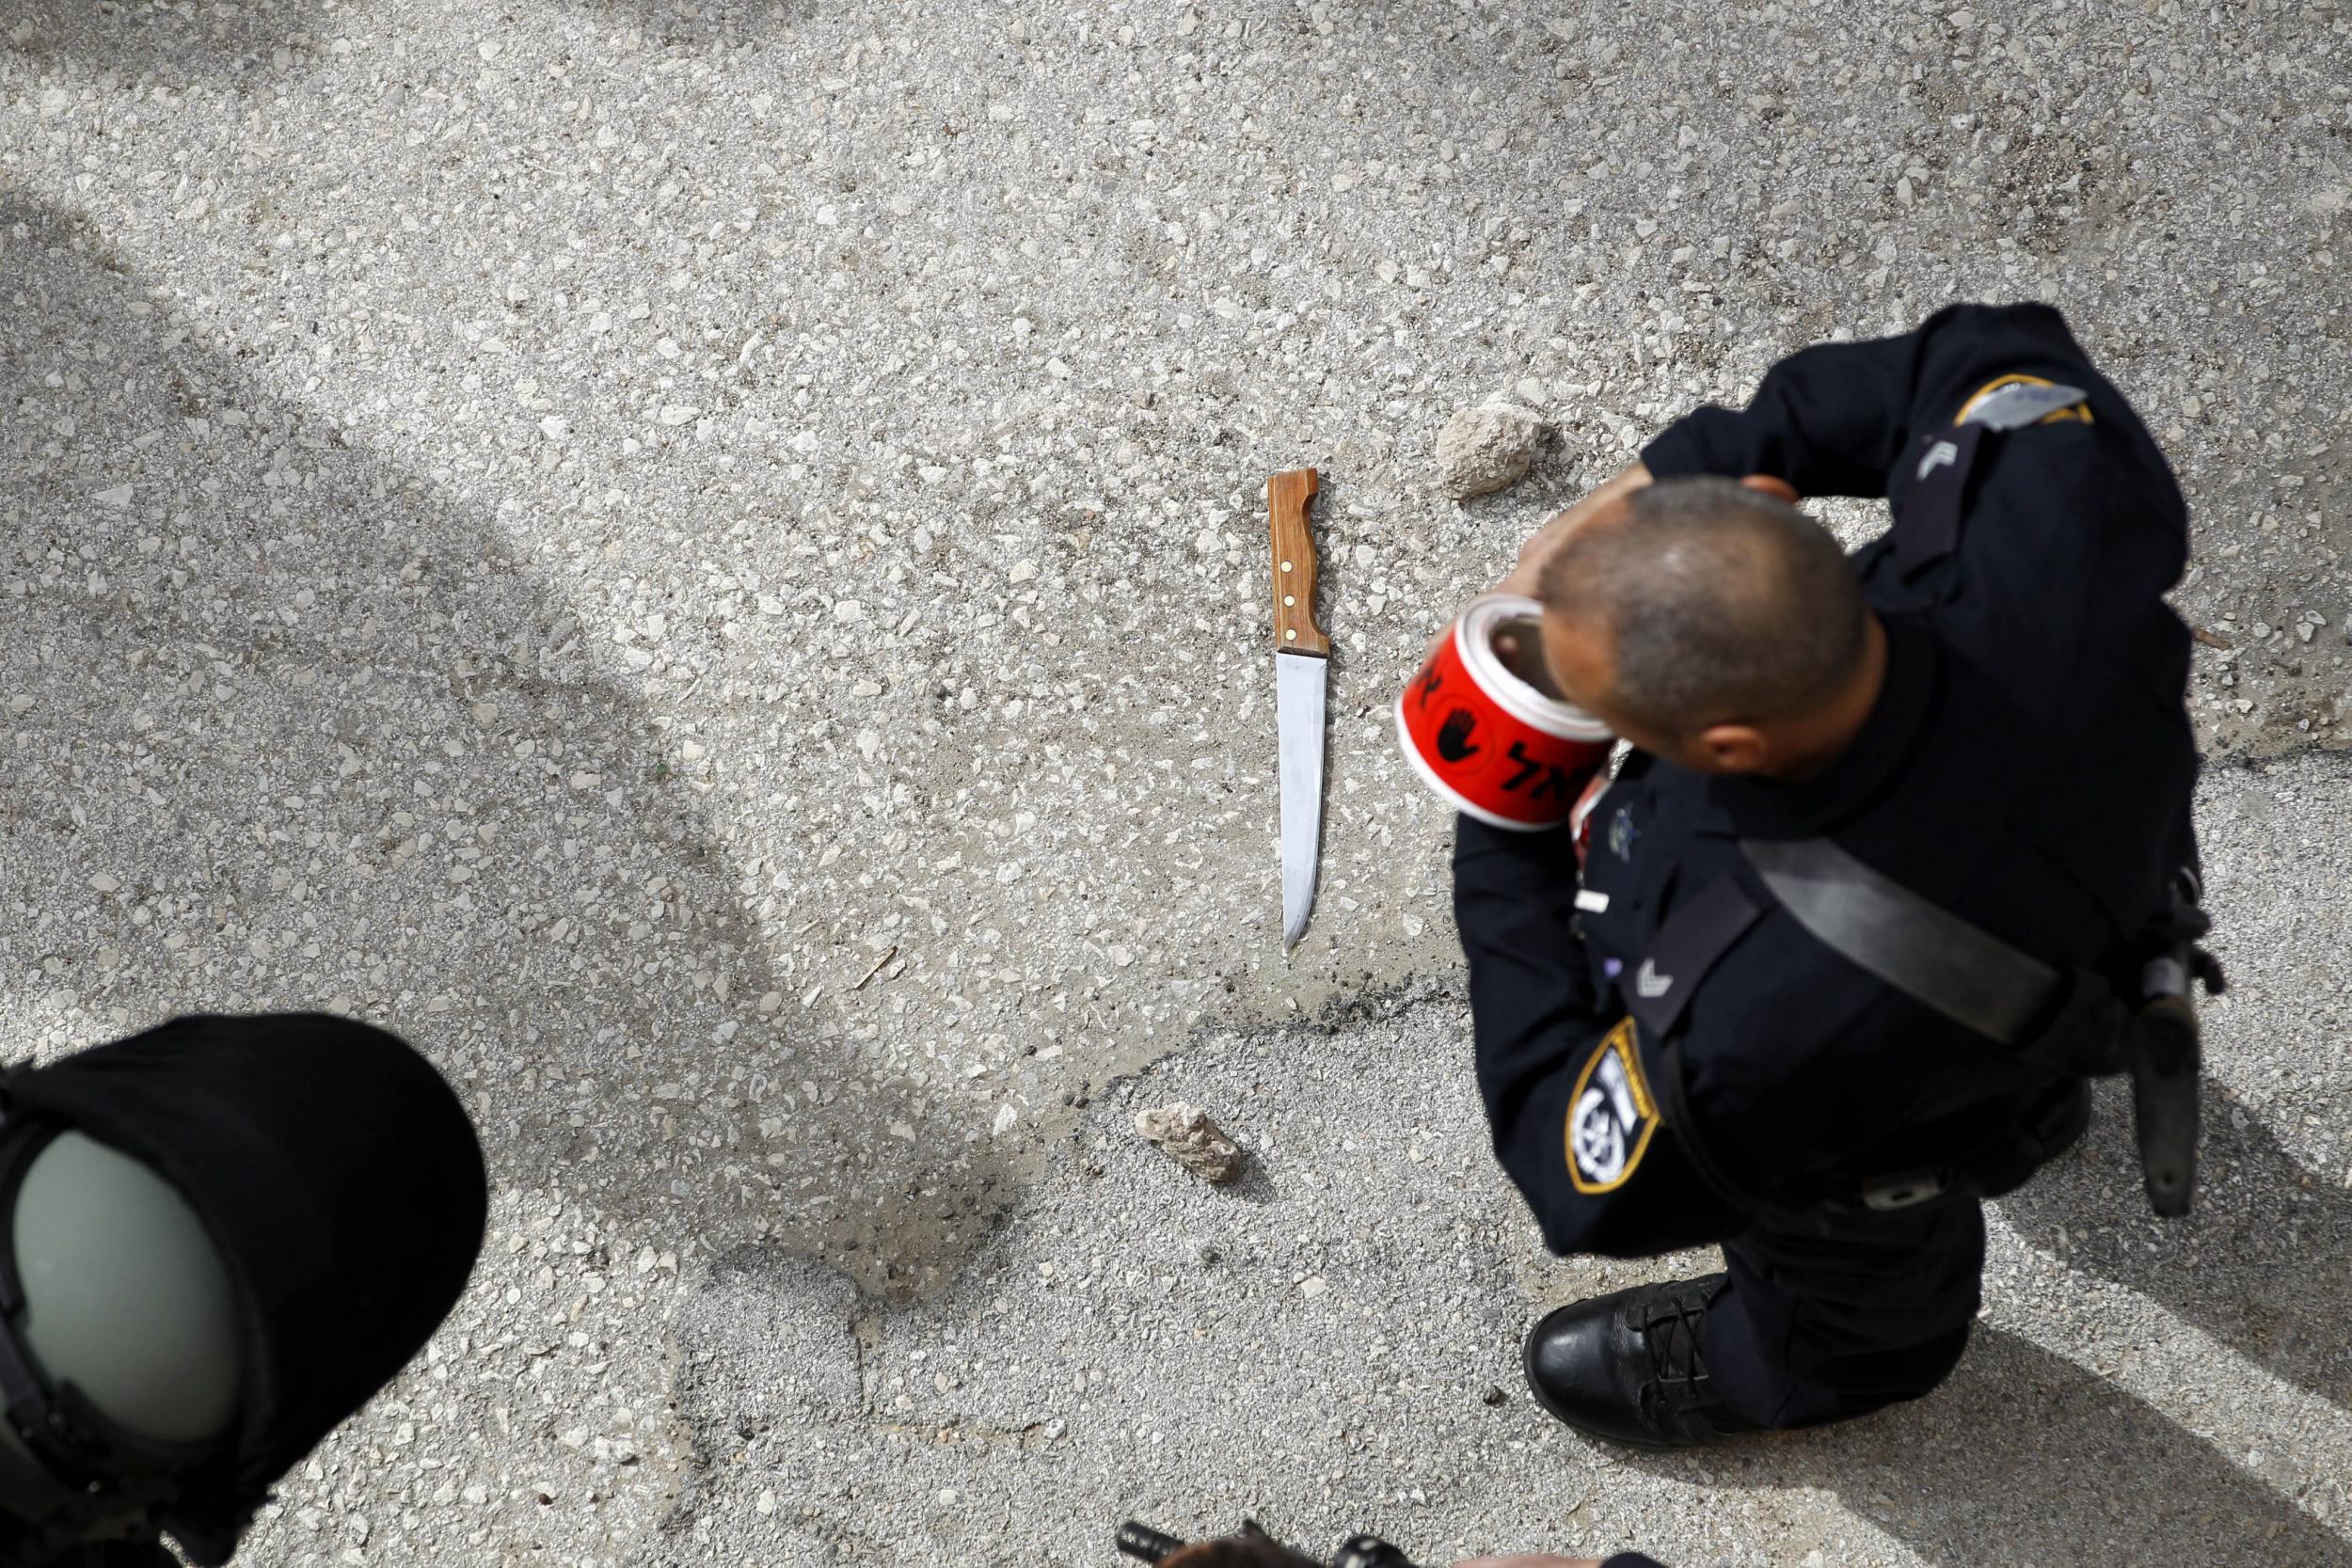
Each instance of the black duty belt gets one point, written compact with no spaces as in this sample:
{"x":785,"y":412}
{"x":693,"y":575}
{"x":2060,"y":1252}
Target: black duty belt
{"x":2059,"y":1025}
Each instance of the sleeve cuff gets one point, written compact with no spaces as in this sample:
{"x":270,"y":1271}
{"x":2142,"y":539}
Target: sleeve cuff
{"x":1550,"y":852}
{"x":1674,"y":453}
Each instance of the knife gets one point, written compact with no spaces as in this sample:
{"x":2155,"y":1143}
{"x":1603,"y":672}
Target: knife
{"x":1301,"y":664}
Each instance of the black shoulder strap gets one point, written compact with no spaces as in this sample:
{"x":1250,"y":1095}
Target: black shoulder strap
{"x":1941,"y":458}
{"x":1929,"y":528}
{"x":1916,"y":946}
{"x":1698,"y":932}
{"x":1666,"y":1078}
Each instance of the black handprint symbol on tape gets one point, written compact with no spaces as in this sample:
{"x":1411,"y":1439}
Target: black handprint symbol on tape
{"x":1453,"y":736}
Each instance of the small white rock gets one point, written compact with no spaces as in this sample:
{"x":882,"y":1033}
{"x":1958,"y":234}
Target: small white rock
{"x":1482,"y":450}
{"x":1187,"y":1136}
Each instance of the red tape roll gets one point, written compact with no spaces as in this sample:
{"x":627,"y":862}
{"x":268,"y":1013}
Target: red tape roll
{"x":1487,"y":742}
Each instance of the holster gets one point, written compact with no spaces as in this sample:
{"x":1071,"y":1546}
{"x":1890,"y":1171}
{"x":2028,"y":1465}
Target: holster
{"x":2152,"y":1035}
{"x":2063,"y":1027}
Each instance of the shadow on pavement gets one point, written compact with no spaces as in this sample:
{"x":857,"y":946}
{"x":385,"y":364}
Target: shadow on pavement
{"x":174,"y":41}
{"x":269,"y":41}
{"x":2264,"y":1263}
{"x":2024,"y":1460}
{"x":282,"y":725}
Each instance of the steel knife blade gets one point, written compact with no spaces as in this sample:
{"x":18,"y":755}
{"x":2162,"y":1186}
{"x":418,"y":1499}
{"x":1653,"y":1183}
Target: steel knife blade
{"x":1301,"y":667}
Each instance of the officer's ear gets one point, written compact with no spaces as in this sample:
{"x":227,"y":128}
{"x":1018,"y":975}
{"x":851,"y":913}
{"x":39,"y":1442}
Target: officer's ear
{"x":1730,"y":748}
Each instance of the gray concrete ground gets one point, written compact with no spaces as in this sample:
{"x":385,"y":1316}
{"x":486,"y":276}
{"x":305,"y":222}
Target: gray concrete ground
{"x":705,"y":563}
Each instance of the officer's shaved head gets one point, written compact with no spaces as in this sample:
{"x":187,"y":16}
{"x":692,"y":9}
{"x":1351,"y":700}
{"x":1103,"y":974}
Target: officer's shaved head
{"x":1720,"y":604}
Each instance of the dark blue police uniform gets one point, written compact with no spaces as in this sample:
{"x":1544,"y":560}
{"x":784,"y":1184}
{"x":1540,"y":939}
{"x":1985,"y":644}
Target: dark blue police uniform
{"x":2028,"y":767}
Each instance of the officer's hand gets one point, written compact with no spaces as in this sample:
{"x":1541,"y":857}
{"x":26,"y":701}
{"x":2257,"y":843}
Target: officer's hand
{"x":1531,"y":1559}
{"x":1530,"y":570}
{"x":1527,"y":575}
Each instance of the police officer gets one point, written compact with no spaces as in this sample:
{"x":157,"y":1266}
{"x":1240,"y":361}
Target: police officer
{"x":1981,"y":711}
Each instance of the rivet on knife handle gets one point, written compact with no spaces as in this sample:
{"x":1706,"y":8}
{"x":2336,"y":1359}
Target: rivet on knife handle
{"x":1288,"y":495}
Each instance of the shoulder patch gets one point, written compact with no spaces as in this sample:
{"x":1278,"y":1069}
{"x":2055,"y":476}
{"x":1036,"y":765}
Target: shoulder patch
{"x":1611,"y":1116}
{"x":2017,"y":400}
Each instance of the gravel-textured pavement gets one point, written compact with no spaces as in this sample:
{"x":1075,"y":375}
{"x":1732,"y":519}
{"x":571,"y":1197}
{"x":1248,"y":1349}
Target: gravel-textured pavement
{"x":706,"y":564}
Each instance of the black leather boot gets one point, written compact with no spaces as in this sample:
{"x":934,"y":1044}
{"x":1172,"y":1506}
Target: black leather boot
{"x":1626,"y":1367}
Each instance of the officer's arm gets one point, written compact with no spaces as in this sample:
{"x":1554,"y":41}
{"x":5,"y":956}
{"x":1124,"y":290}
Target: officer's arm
{"x":1838,"y":418}
{"x":1543,"y":1038}
{"x":1831,"y":420}
{"x":2071,"y":522}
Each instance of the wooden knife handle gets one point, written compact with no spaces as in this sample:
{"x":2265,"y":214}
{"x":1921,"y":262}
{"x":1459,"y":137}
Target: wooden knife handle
{"x":1295,"y":630}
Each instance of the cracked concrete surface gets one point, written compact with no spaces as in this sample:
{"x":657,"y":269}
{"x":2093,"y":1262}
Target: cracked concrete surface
{"x":702,"y":563}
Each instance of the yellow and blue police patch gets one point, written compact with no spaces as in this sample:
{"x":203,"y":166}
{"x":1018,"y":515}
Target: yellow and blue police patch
{"x":2049,"y":405}
{"x":1611,"y":1116}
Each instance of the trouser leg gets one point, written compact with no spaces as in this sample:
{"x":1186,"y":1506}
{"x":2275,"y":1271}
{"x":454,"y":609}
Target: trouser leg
{"x":1829,"y":1317}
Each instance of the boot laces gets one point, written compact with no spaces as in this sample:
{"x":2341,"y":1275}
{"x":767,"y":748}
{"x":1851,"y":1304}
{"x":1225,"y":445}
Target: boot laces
{"x":1671,"y":1336}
